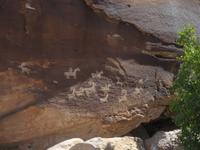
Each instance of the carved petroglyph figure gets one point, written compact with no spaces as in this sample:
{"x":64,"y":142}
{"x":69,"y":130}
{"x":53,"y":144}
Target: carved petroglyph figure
{"x":71,"y":73}
{"x":72,"y":95}
{"x":137,"y":91}
{"x":119,"y":82}
{"x":106,"y":88}
{"x":79,"y":92}
{"x":123,"y":96}
{"x":104,"y":99}
{"x":97,"y":74}
{"x":114,"y":39}
{"x":28,"y":5}
{"x":91,"y":89}
{"x":55,"y":82}
{"x":24,"y":68}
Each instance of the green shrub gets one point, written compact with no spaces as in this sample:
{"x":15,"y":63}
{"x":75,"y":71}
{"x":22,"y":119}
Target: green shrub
{"x":186,"y":88}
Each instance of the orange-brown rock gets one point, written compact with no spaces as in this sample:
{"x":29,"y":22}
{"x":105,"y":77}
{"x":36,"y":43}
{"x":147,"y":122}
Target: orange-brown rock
{"x":66,"y":72}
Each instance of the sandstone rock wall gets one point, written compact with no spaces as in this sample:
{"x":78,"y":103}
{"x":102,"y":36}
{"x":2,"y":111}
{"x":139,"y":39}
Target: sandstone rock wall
{"x":66,"y":72}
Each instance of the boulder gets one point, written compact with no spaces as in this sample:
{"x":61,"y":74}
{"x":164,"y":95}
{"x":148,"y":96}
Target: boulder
{"x":123,"y":143}
{"x":160,"y":18}
{"x":164,"y":141}
{"x":67,"y":73}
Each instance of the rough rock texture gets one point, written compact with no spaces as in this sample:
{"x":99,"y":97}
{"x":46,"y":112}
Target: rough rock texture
{"x":162,"y":18}
{"x":66,"y":73}
{"x":164,"y":141}
{"x":124,"y":143}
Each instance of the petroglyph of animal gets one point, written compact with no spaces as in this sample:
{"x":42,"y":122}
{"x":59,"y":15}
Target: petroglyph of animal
{"x":137,"y":91}
{"x":114,"y":39}
{"x":106,"y":88}
{"x":97,"y":74}
{"x":71,"y":73}
{"x":123,"y":96}
{"x":91,"y":89}
{"x":104,"y":99}
{"x":72,"y":95}
{"x":55,"y":82}
{"x":80,"y":92}
{"x":24,"y":68}
{"x":119,"y":82}
{"x":28,"y":5}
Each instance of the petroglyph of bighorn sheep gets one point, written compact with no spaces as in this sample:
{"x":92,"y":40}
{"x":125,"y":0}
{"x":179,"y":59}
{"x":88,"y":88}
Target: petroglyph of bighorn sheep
{"x":137,"y":91}
{"x":119,"y":82}
{"x":28,"y":5}
{"x":91,"y":89}
{"x":72,"y":95}
{"x":123,"y":96}
{"x":79,"y":92}
{"x":97,"y":74}
{"x":106,"y":88}
{"x":104,"y":99}
{"x":71,"y":73}
{"x":24,"y":68}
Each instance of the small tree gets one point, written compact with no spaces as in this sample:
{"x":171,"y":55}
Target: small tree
{"x":186,"y":88}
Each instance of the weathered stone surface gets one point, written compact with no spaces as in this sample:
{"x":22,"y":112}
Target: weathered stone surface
{"x":161,"y":18}
{"x":164,"y":141}
{"x":66,"y":145}
{"x":123,"y":143}
{"x":66,"y":73}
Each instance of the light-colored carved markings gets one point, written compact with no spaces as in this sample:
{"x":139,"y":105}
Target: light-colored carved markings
{"x":88,"y":91}
{"x":137,"y":91}
{"x":104,"y":99}
{"x":55,"y":82}
{"x":71,"y":73}
{"x":97,"y":75}
{"x":72,"y":95}
{"x":28,"y":5}
{"x":123,"y":96}
{"x":24,"y":68}
{"x":106,"y":88}
{"x":79,"y":92}
{"x":119,"y":82}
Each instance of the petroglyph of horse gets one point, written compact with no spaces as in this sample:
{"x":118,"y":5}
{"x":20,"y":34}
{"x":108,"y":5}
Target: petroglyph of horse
{"x":71,"y":73}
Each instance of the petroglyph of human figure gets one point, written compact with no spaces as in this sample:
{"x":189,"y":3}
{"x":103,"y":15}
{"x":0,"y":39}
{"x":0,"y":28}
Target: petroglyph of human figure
{"x":71,"y":73}
{"x":24,"y":68}
{"x":123,"y":96}
{"x":97,"y":74}
{"x":104,"y":99}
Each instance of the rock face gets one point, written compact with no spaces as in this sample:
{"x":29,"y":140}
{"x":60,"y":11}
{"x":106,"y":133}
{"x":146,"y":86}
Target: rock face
{"x":124,"y":143}
{"x":164,"y":141}
{"x":160,"y":18}
{"x":66,"y":73}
